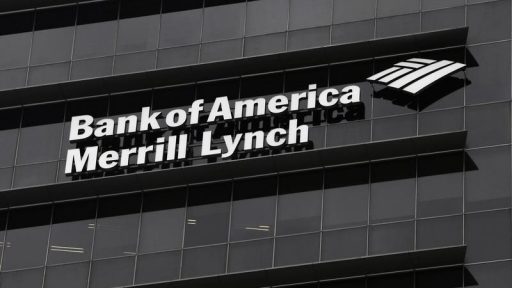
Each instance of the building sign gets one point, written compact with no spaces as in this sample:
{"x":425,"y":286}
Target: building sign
{"x":174,"y":148}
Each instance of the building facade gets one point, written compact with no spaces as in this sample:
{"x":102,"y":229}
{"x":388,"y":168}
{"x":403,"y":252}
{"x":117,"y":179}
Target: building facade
{"x":385,"y":189}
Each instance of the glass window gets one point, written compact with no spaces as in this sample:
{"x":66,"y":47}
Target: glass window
{"x":13,"y":78}
{"x":252,"y":255}
{"x":5,"y":178}
{"x":14,"y":23}
{"x":224,"y":22}
{"x":343,"y":244}
{"x":3,"y":222}
{"x":297,"y":250}
{"x":264,"y":44}
{"x":310,"y":13}
{"x":221,"y":50}
{"x":208,"y":214}
{"x":267,"y":16}
{"x":138,"y":34}
{"x":391,"y":238}
{"x":158,"y":267}
{"x":9,"y":129}
{"x":494,"y":130}
{"x":496,"y":275}
{"x":32,"y":278}
{"x":67,"y":276}
{"x":178,"y":56}
{"x":353,"y":10}
{"x":348,"y":133}
{"x":112,"y":273}
{"x":346,"y":196}
{"x":488,"y":22}
{"x":163,"y":218}
{"x":488,"y":236}
{"x":353,"y":32}
{"x":393,"y":190}
{"x":254,"y":208}
{"x":174,"y":6}
{"x":441,"y":121}
{"x":96,"y":30}
{"x":47,"y":74}
{"x":398,"y":25}
{"x":490,"y":74}
{"x":72,"y":232}
{"x":204,"y":261}
{"x":487,"y":179}
{"x":439,"y":232}
{"x":299,"y":203}
{"x":299,"y":80}
{"x":36,"y":174}
{"x":16,"y":49}
{"x":135,"y":62}
{"x":395,"y":127}
{"x":396,"y":7}
{"x":40,"y":122}
{"x":181,"y":28}
{"x":27,"y":237}
{"x":439,"y":277}
{"x":440,"y":184}
{"x":438,"y":4}
{"x":92,"y":68}
{"x":117,"y":226}
{"x":308,"y":38}
{"x":443,"y":19}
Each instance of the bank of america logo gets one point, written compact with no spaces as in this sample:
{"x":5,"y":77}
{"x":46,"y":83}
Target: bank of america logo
{"x":416,"y":74}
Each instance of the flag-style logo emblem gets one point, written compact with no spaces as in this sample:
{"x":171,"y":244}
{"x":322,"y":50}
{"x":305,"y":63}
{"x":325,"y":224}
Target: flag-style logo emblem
{"x":416,"y":74}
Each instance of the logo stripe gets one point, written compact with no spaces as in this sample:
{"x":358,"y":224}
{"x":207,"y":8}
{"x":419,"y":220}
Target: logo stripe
{"x":420,"y":60}
{"x":409,"y":65}
{"x":395,"y":75}
{"x":429,"y":79}
{"x":419,"y":73}
{"x":383,"y":73}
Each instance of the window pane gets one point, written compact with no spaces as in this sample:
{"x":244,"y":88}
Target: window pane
{"x":396,"y":7}
{"x":52,"y":45}
{"x":95,"y":40}
{"x":22,"y":279}
{"x":117,"y":226}
{"x":92,"y":68}
{"x":265,"y":44}
{"x":266,"y":16}
{"x":440,"y":184}
{"x":437,"y":4}
{"x":208,"y":214}
{"x":9,"y":129}
{"x":14,"y":78}
{"x":439,"y":232}
{"x":135,"y":62}
{"x":297,"y":250}
{"x":353,"y":10}
{"x":346,"y":196}
{"x":253,"y":255}
{"x":223,"y":22}
{"x":299,"y":203}
{"x":254,"y":205}
{"x":181,"y":28}
{"x":494,"y":130}
{"x":348,"y":133}
{"x":36,"y":174}
{"x":488,"y":22}
{"x":391,"y":238}
{"x":72,"y":232}
{"x":395,"y":127}
{"x":138,"y":34}
{"x":16,"y":49}
{"x":393,"y":190}
{"x":398,"y":25}
{"x":487,"y":183}
{"x":163,"y":219}
{"x":40,"y":122}
{"x":178,"y":56}
{"x":67,"y":276}
{"x":492,"y":275}
{"x":441,"y":121}
{"x":443,"y":19}
{"x":47,"y":74}
{"x":488,"y":236}
{"x":28,"y":237}
{"x":5,"y":178}
{"x":204,"y":261}
{"x":308,"y":38}
{"x":112,"y":273}
{"x":310,"y":13}
{"x":343,"y":244}
{"x":353,"y":32}
{"x":158,"y":267}
{"x":222,"y":50}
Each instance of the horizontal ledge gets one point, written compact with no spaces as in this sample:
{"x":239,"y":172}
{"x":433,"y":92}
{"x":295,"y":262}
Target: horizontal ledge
{"x":418,"y":259}
{"x":236,"y":67}
{"x":14,"y":5}
{"x":227,"y":170}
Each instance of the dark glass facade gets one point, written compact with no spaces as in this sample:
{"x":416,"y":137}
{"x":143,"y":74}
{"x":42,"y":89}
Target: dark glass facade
{"x":268,"y":221}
